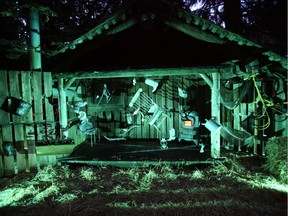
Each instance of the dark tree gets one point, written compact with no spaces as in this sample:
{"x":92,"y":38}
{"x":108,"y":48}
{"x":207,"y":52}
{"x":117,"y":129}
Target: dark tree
{"x":264,"y":22}
{"x":233,"y":15}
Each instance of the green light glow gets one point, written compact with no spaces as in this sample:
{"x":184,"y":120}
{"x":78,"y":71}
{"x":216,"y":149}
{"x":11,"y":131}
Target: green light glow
{"x":146,"y":188}
{"x":118,"y":189}
{"x":266,"y":183}
{"x":132,"y":204}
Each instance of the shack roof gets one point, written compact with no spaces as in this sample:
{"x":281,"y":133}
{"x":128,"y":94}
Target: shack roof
{"x":156,"y":34}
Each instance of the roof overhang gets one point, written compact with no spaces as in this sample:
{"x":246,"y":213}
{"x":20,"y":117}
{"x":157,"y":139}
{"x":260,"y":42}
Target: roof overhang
{"x":227,"y":71}
{"x":175,"y":18}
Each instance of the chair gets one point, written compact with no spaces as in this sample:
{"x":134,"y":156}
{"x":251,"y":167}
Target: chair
{"x":87,"y":128}
{"x":149,"y":110}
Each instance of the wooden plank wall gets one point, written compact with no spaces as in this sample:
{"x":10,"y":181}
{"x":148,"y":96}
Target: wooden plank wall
{"x":21,"y":154}
{"x":37,"y":126}
{"x":249,"y":107}
{"x":29,"y":127}
{"x":6,"y":129}
{"x":165,"y":96}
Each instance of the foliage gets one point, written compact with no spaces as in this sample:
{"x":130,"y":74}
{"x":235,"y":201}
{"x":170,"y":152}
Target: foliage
{"x":61,"y":21}
{"x":208,"y":9}
{"x":64,"y":20}
{"x":262,"y":20}
{"x":277,"y":162}
{"x":87,"y":173}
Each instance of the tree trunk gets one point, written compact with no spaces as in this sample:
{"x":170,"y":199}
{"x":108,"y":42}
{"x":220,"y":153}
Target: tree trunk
{"x":35,"y":63}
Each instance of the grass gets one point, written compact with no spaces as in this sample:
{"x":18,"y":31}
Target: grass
{"x":87,"y":174}
{"x":220,"y":189}
{"x":277,"y":162}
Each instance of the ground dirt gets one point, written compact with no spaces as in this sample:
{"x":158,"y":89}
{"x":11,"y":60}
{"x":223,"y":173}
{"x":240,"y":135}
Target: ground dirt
{"x":237,"y":187}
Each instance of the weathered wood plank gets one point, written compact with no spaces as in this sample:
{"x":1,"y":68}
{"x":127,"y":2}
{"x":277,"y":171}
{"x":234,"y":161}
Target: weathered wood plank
{"x":236,"y":117}
{"x":224,"y":119}
{"x":215,"y":112}
{"x":181,"y":103}
{"x":137,"y":118}
{"x":176,"y":107}
{"x":243,"y":114}
{"x":62,"y":110}
{"x":5,"y":124}
{"x":152,"y":130}
{"x":47,"y":78}
{"x":1,"y":154}
{"x":37,"y":93}
{"x":18,"y":123}
{"x":145,"y":128}
{"x":49,"y":110}
{"x":54,"y":149}
{"x":162,"y":118}
{"x":28,"y":118}
{"x":151,"y":72}
{"x":72,"y":132}
{"x":38,"y":101}
{"x":169,"y":104}
{"x":43,"y":160}
{"x":122,"y":114}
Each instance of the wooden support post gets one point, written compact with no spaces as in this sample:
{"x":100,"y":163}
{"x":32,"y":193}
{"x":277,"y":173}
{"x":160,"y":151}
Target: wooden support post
{"x":62,"y":109}
{"x":69,"y":83}
{"x":215,"y":113}
{"x":224,"y":120}
{"x":207,"y":80}
{"x":35,"y":65}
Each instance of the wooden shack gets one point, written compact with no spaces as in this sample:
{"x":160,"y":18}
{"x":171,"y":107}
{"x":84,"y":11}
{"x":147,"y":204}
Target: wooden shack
{"x":228,"y":78}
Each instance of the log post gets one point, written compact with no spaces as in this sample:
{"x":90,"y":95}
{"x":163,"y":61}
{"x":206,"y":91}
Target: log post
{"x":62,"y":109}
{"x":35,"y":60}
{"x":215,"y":113}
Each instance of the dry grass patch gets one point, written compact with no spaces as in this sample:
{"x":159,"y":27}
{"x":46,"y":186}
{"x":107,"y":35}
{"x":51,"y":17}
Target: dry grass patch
{"x":220,"y":189}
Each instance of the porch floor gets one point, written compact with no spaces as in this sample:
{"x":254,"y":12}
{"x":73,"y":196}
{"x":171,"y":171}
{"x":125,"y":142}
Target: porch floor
{"x":138,"y":153}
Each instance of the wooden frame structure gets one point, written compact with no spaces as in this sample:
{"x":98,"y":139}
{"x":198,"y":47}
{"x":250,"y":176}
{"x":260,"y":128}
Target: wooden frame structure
{"x":35,"y":87}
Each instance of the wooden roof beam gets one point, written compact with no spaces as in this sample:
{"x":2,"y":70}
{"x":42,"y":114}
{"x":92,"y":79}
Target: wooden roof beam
{"x":191,"y":30}
{"x":148,"y":72}
{"x":101,"y":28}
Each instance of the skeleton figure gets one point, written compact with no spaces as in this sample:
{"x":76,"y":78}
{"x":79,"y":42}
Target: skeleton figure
{"x":84,"y":126}
{"x":105,"y":94}
{"x":78,"y":105}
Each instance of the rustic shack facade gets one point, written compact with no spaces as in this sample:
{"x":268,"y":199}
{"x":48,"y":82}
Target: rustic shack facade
{"x":220,"y":75}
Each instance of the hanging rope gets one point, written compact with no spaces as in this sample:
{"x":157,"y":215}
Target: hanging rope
{"x":265,"y":104}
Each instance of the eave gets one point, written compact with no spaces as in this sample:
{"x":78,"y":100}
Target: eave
{"x":227,"y":71}
{"x":175,"y":18}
